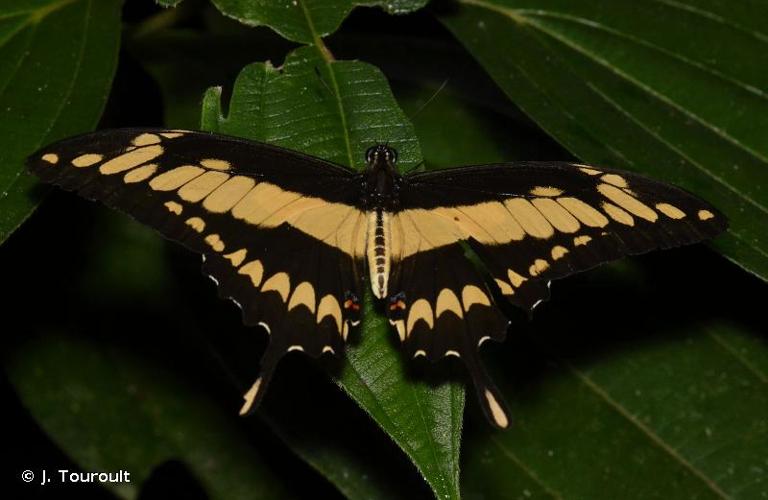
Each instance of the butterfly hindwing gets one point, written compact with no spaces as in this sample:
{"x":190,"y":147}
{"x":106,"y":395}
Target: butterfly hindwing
{"x":444,"y":308}
{"x":278,"y":230}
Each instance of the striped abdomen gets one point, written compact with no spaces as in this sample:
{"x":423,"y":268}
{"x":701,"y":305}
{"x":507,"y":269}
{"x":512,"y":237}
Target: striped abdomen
{"x":378,"y":251}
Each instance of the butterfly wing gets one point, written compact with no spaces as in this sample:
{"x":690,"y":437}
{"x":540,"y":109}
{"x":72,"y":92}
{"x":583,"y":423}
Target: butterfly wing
{"x":280,"y":233}
{"x":529,"y":223}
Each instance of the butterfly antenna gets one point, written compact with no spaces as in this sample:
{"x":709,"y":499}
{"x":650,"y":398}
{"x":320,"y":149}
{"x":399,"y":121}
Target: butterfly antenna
{"x":431,"y":98}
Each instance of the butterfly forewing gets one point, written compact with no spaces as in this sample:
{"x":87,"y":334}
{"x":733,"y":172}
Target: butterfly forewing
{"x":533,"y":222}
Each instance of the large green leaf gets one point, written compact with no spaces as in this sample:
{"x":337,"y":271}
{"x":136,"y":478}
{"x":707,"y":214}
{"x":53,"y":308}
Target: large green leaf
{"x":57,"y":58}
{"x":304,"y":21}
{"x":666,"y":405}
{"x":112,"y":410}
{"x":673,"y":89}
{"x":336,"y":110}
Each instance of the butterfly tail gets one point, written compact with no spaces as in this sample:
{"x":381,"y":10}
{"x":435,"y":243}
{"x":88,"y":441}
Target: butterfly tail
{"x":490,"y":399}
{"x":252,"y":398}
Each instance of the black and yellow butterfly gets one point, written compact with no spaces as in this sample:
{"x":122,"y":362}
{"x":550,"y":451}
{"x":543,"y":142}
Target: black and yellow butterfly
{"x":292,"y":238}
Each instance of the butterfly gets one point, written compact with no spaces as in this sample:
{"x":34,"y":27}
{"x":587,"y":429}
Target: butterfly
{"x":293,"y":239}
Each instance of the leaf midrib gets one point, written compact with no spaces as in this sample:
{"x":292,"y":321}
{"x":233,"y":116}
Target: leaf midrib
{"x":653,"y":93}
{"x":328,"y":60}
{"x":647,"y":431}
{"x":589,"y":23}
{"x":401,"y":442}
{"x":713,"y":17}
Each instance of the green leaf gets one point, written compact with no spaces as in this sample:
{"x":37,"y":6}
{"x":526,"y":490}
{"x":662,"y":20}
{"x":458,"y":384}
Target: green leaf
{"x":674,"y":90}
{"x":113,"y":410}
{"x":304,"y":21}
{"x":669,"y":412}
{"x":57,"y":58}
{"x":336,"y":110}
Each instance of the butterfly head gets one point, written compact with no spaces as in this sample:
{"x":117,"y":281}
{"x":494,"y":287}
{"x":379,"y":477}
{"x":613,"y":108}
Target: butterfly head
{"x":381,"y":155}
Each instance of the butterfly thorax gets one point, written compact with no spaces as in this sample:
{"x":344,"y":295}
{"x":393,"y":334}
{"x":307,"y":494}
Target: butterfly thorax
{"x":381,"y":182}
{"x":380,"y":192}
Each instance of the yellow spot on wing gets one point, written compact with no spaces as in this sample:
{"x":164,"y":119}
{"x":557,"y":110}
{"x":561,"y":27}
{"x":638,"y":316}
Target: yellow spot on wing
{"x":504,"y":287}
{"x":250,"y":396}
{"x":345,"y":330}
{"x":329,"y":306}
{"x":140,"y":174}
{"x":171,"y":135}
{"x":497,"y":413}
{"x":399,"y":328}
{"x":627,"y":202}
{"x":174,"y":179}
{"x":559,"y":217}
{"x":200,"y":187}
{"x":228,"y":194}
{"x":581,"y":240}
{"x":173,"y":207}
{"x":515,"y":278}
{"x":253,"y":270}
{"x":214,"y":240}
{"x":588,"y":215}
{"x":280,"y":283}
{"x":87,"y":160}
{"x":196,"y":223}
{"x":538,"y":267}
{"x":146,"y":140}
{"x":51,"y":158}
{"x":130,"y":159}
{"x":558,"y":252}
{"x":215,"y":164}
{"x":670,"y":211}
{"x":420,"y":310}
{"x":237,"y":258}
{"x":615,"y":179}
{"x":471,"y":295}
{"x":531,"y":220}
{"x":590,"y":171}
{"x":618,"y":214}
{"x":303,"y":294}
{"x":546,"y":191}
{"x":705,"y":215}
{"x":447,"y":301}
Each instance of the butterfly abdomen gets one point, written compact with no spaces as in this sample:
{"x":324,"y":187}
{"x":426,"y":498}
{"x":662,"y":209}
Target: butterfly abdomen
{"x":378,"y":251}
